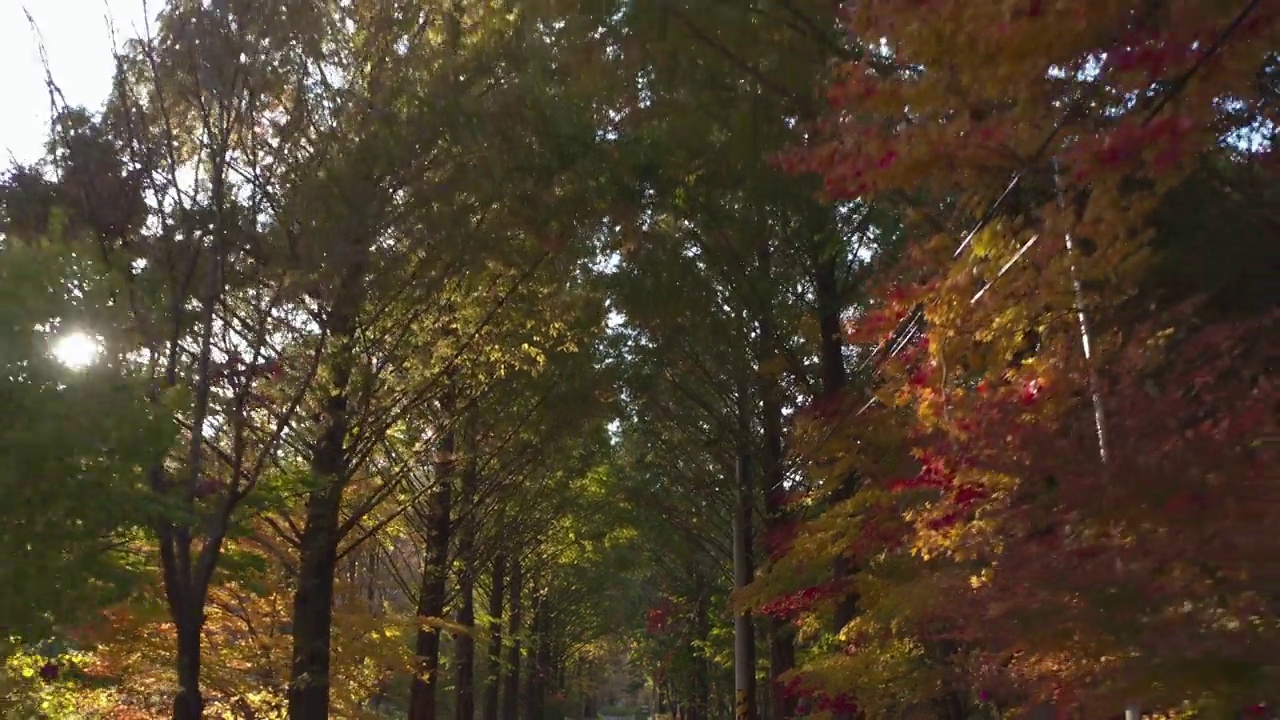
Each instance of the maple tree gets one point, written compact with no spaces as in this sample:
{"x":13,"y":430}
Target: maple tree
{"x":1054,"y":485}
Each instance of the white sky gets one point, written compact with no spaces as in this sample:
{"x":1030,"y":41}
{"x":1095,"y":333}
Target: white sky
{"x":79,"y":46}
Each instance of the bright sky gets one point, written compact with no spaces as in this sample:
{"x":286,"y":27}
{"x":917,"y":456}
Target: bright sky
{"x":79,"y":46}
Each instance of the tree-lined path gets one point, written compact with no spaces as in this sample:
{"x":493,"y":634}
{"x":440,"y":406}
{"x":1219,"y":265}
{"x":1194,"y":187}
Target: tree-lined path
{"x":489,"y":360}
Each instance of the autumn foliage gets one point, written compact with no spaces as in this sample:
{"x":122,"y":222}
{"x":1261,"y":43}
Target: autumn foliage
{"x":1091,"y":456}
{"x":495,"y":356}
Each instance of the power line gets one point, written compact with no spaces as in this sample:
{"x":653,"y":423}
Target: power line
{"x":1178,"y":86}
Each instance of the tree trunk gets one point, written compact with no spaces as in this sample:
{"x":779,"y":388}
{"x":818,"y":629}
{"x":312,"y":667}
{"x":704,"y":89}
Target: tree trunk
{"x":744,"y":641}
{"x":313,"y":603}
{"x":781,"y":634}
{"x":465,"y":646}
{"x":497,"y":591}
{"x":435,"y":571}
{"x":782,"y":658}
{"x":535,"y":698}
{"x":188,"y":704}
{"x":544,"y":670}
{"x":186,"y":581}
{"x":699,"y":680}
{"x":782,"y":654}
{"x":562,"y":668}
{"x":318,"y":559}
{"x":834,"y":384}
{"x":318,"y":548}
{"x":465,"y":651}
{"x":371,"y":580}
{"x":511,"y":676}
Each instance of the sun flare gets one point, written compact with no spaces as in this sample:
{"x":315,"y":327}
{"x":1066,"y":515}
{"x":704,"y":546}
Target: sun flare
{"x":77,"y":350}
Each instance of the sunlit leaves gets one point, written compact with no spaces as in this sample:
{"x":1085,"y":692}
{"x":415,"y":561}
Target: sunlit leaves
{"x":73,"y":434}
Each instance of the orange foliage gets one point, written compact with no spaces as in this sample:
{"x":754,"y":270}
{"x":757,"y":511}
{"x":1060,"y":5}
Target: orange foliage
{"x":247,"y":649}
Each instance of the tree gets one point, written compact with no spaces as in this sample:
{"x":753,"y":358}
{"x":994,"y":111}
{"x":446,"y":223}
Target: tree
{"x":981,"y":337}
{"x":559,"y":353}
{"x":79,"y":428}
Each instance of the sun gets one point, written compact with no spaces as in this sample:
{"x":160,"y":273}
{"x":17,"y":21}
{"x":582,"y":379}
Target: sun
{"x":77,"y":350}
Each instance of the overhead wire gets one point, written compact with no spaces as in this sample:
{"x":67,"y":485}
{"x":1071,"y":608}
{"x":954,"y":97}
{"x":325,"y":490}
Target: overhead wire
{"x":1176,"y":88}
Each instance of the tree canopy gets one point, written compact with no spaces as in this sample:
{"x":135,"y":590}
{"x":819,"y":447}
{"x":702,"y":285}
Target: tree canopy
{"x":694,"y":359}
